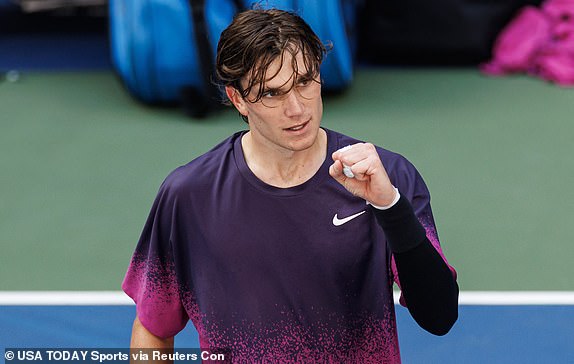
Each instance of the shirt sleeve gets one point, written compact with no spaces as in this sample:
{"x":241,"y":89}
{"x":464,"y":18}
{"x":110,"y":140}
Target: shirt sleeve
{"x":151,"y":279}
{"x":411,"y":185}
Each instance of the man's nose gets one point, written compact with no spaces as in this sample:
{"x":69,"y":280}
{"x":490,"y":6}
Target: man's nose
{"x":293,"y":104}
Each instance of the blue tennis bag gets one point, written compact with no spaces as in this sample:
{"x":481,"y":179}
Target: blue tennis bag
{"x":164,"y":50}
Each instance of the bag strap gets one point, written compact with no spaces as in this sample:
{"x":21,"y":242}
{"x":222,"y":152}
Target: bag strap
{"x":239,"y":5}
{"x":198,"y":101}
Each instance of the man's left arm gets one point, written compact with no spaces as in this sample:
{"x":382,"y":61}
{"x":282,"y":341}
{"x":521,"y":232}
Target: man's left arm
{"x":428,"y":285}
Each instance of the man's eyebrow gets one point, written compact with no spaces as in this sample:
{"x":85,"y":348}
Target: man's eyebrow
{"x":284,"y":88}
{"x":309,"y":75}
{"x":276,"y":90}
{"x":288,"y":83}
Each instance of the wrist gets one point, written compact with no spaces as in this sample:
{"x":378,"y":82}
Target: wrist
{"x":388,"y":203}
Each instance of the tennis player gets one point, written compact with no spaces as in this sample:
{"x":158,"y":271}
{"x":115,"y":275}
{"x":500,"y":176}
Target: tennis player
{"x":266,"y":245}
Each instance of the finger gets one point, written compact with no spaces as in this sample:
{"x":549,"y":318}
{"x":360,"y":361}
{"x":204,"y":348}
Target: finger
{"x":336,"y":171}
{"x":338,"y":157}
{"x":361,"y":169}
{"x":345,"y":151}
{"x":371,"y":168}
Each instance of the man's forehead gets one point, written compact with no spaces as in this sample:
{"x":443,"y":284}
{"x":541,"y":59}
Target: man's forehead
{"x":281,"y":71}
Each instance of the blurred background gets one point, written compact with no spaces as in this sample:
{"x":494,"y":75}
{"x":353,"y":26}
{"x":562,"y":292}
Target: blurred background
{"x":82,"y":155}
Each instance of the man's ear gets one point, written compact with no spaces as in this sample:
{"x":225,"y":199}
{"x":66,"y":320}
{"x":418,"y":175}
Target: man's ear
{"x":236,"y":99}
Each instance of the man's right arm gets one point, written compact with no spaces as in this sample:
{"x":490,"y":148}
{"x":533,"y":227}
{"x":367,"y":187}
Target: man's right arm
{"x":143,"y":339}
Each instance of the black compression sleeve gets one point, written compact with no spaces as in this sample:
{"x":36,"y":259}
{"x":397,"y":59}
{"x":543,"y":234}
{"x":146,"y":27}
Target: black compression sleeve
{"x":401,"y":226}
{"x":428,"y":287}
{"x":427,"y":283}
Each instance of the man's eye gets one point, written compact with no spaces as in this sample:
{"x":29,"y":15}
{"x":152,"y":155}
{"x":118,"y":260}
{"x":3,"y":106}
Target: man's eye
{"x":304,"y":82}
{"x":270,"y":93}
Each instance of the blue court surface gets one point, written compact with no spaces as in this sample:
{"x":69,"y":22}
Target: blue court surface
{"x":522,"y":333}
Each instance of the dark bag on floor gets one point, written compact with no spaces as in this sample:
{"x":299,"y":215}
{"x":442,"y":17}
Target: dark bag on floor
{"x":448,"y":32}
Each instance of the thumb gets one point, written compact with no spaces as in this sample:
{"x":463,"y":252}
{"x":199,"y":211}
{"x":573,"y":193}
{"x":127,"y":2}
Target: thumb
{"x":336,"y":171}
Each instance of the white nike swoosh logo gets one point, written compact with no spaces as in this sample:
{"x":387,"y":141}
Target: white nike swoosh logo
{"x":339,"y":222}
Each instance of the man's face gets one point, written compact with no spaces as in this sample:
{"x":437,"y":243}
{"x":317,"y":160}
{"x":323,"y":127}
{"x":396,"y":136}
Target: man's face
{"x":289,"y":114}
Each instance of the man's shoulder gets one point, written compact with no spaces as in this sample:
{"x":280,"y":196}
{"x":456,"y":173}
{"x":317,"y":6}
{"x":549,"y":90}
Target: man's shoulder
{"x":200,"y":172}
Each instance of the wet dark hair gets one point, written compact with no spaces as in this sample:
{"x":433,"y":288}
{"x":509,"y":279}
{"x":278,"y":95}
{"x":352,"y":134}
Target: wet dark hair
{"x":255,"y":39}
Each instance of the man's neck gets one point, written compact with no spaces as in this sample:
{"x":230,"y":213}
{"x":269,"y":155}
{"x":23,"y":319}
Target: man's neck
{"x":284,"y":168}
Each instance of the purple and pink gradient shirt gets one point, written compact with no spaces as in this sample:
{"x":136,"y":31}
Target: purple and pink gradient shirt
{"x":263,"y":271}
